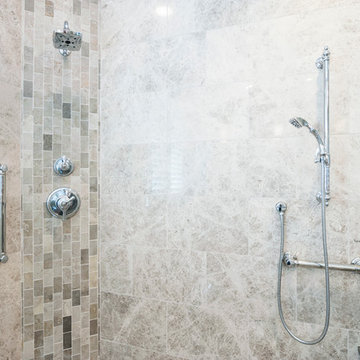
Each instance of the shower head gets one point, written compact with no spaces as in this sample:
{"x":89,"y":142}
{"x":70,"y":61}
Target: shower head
{"x":299,"y":122}
{"x":67,"y":40}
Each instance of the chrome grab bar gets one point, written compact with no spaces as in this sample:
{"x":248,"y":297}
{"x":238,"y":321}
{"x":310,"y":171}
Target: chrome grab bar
{"x":3,"y":257}
{"x":291,"y":261}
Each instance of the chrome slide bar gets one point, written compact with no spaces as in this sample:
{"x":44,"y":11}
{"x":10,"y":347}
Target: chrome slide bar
{"x":3,"y":256}
{"x":322,"y":63}
{"x":291,"y":261}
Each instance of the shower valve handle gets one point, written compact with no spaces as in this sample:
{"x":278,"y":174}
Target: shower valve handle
{"x":65,"y":202}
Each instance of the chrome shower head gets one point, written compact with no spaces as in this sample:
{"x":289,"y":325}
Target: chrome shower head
{"x":67,"y":40}
{"x":299,"y":122}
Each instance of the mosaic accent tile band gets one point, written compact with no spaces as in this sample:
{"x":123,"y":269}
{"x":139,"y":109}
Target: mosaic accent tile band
{"x":60,"y":117}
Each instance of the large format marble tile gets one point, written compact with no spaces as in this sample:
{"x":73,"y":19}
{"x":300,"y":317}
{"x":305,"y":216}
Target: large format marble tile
{"x":195,"y":332}
{"x":270,"y":341}
{"x":203,"y":105}
{"x":236,"y":54}
{"x":133,"y":321}
{"x":247,"y":287}
{"x":110,"y":350}
{"x":354,"y":341}
{"x":344,"y":289}
{"x":137,"y":220}
{"x":273,"y":166}
{"x":264,"y":228}
{"x":118,"y":27}
{"x":227,"y":282}
{"x":344,"y":170}
{"x":142,"y":354}
{"x":141,"y":118}
{"x":114,"y":351}
{"x":209,"y":113}
{"x":10,"y":25}
{"x":10,"y":139}
{"x":139,"y":68}
{"x":135,"y":169}
{"x":10,"y":297}
{"x":116,"y":269}
{"x":195,"y":15}
{"x":212,"y":223}
{"x":170,"y":275}
{"x":157,"y":65}
{"x":262,"y":290}
{"x":303,"y":231}
{"x":200,"y":169}
{"x":9,"y":112}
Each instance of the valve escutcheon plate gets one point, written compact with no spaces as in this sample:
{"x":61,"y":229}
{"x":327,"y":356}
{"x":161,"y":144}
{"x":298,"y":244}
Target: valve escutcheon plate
{"x":63,"y":203}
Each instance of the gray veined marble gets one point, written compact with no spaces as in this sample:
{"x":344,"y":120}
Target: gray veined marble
{"x":195,"y":101}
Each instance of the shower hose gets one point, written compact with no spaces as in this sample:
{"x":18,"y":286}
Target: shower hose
{"x":280,"y":267}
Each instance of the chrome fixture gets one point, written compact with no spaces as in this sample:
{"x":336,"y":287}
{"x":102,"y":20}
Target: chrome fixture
{"x":291,"y":260}
{"x":66,"y":40}
{"x":322,"y":63}
{"x":63,"y":203}
{"x":3,"y":257}
{"x":322,"y":157}
{"x":63,"y":166}
{"x":299,"y":122}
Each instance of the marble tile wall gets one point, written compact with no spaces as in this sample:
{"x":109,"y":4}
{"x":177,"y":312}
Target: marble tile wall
{"x":10,"y":135}
{"x":196,"y":150}
{"x":60,"y":117}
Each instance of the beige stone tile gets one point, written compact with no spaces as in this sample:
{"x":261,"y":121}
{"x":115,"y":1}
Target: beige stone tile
{"x":10,"y":297}
{"x":354,"y":340}
{"x":139,"y":220}
{"x":200,"y":331}
{"x":135,"y":169}
{"x":311,"y":298}
{"x":116,"y":269}
{"x":212,"y":223}
{"x":143,"y":118}
{"x":172,"y":275}
{"x":113,"y":351}
{"x":134,"y":321}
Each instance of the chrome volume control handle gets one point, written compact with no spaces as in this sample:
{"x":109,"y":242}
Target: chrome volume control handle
{"x":63,"y":203}
{"x":63,"y":166}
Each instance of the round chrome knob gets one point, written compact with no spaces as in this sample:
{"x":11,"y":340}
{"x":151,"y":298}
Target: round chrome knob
{"x":63,"y":203}
{"x":63,"y":166}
